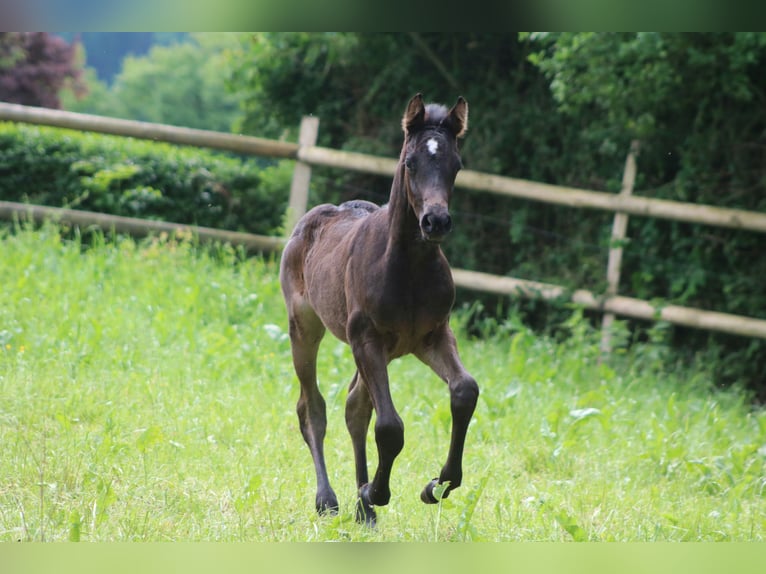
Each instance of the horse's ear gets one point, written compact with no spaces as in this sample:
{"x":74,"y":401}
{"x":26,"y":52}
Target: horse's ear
{"x":458,"y":117}
{"x":415,"y":114}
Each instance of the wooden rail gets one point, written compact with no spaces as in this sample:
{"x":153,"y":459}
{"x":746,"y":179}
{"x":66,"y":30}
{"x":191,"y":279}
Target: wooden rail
{"x":136,"y":227}
{"x":312,"y":155}
{"x":630,"y":204}
{"x":625,"y":306}
{"x":148,"y":131}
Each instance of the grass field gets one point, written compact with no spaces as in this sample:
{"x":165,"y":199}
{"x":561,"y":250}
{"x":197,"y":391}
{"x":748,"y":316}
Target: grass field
{"x":146,"y":393}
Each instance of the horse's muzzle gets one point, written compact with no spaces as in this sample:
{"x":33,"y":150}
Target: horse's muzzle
{"x":435,"y":225}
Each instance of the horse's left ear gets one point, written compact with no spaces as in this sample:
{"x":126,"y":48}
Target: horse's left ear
{"x":458,"y":117}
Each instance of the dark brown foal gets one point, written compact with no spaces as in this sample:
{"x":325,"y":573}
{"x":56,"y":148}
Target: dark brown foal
{"x":378,"y":280}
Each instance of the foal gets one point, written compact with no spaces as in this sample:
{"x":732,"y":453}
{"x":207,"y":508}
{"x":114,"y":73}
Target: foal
{"x":378,"y":280}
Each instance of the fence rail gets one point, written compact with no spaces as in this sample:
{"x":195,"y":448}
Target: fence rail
{"x":148,"y":131}
{"x":308,"y":154}
{"x":617,"y":304}
{"x":251,"y":242}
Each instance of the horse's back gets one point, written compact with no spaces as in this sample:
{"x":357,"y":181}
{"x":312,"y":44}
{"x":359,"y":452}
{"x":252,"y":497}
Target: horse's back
{"x":359,"y":207}
{"x":323,"y":218}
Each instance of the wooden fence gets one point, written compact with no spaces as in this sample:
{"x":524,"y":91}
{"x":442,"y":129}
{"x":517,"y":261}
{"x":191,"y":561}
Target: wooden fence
{"x":308,"y":154}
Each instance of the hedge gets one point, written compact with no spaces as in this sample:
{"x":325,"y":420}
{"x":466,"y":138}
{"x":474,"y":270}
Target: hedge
{"x":151,"y":180}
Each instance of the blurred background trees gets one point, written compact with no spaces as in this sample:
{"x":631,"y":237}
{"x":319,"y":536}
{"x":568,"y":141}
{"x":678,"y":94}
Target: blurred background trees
{"x":36,"y":67}
{"x":181,"y":83}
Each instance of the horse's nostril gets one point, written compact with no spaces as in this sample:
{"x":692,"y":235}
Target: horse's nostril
{"x":436,"y":224}
{"x":427,"y":223}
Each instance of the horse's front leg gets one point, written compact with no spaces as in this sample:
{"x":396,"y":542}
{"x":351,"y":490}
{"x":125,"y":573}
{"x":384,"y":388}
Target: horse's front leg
{"x":440,"y":353}
{"x":370,"y":357}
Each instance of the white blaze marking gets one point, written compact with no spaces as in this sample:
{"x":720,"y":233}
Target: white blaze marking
{"x":433,"y":146}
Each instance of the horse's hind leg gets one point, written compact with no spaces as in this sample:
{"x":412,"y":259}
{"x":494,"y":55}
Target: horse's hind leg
{"x":306,"y":332}
{"x":441,"y":355}
{"x":358,"y":416}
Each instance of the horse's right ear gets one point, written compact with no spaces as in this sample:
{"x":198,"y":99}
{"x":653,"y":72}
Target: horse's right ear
{"x":415,"y":114}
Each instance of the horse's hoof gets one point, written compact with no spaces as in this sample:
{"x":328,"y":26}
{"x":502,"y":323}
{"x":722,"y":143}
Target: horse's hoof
{"x":327,"y":505}
{"x":327,"y":510}
{"x":365,"y":511}
{"x":427,"y":495}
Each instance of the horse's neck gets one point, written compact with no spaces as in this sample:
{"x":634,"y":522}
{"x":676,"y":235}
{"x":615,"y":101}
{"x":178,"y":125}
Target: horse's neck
{"x":403,"y":227}
{"x":405,"y":245}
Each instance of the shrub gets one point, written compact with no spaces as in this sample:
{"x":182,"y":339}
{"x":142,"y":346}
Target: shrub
{"x":124,"y":176}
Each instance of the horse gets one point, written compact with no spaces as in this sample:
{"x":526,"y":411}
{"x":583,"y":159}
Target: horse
{"x":377,"y":279}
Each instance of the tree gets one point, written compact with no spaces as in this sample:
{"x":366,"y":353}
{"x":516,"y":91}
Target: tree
{"x":35,"y":67}
{"x":182,"y":84}
{"x":98,"y":99}
{"x":107,"y":50}
{"x":694,"y":98}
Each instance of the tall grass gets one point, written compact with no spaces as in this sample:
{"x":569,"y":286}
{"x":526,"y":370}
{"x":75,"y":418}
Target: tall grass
{"x":147,"y":393}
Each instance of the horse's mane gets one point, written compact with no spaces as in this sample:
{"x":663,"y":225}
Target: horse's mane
{"x":435,"y":115}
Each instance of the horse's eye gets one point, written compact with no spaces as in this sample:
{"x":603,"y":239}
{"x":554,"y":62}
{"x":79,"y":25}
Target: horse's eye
{"x":410,"y":163}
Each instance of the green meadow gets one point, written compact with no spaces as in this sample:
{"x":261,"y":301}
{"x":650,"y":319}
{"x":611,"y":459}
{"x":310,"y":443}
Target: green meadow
{"x":147,"y":394}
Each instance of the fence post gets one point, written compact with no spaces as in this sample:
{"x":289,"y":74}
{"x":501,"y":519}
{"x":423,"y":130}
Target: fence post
{"x":619,"y":227}
{"x":299,"y":189}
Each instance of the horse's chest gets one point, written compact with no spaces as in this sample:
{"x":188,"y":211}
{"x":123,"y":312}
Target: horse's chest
{"x":408,"y":314}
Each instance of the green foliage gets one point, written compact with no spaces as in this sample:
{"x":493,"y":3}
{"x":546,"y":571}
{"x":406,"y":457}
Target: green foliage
{"x":151,"y":398}
{"x":141,"y":179}
{"x":106,"y":50}
{"x":276,"y":72}
{"x":181,"y":84}
{"x":96,"y":98}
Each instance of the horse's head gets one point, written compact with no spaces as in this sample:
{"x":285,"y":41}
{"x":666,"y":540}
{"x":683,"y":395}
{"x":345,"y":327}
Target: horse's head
{"x":431,"y":161}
